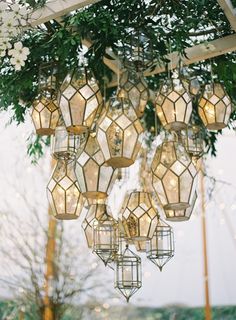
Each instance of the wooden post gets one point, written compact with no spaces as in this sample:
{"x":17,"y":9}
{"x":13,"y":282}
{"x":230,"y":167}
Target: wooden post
{"x":204,"y":239}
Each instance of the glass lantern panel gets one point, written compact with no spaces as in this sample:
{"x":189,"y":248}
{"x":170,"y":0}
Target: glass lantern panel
{"x":180,"y":108}
{"x":171,"y":186}
{"x":77,"y":108}
{"x":186,"y":184}
{"x":102,"y":140}
{"x":91,"y":172}
{"x":220,"y":111}
{"x":130,"y":140}
{"x":59,"y":197}
{"x":144,"y":223}
{"x":169,"y":111}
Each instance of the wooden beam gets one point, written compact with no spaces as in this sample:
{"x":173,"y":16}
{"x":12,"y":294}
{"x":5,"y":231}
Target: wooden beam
{"x":54,"y":9}
{"x":229,"y":11}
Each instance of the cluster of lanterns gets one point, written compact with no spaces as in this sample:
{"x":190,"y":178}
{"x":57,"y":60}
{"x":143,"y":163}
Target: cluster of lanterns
{"x":90,"y":142}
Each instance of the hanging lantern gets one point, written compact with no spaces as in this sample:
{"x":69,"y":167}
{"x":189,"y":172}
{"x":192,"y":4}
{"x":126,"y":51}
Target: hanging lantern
{"x":119,"y":133}
{"x":64,"y":145}
{"x":140,"y":246}
{"x":160,"y":249}
{"x":128,"y":278}
{"x":95,"y":212}
{"x":79,"y":99}
{"x":134,"y":88}
{"x":105,"y":237}
{"x":193,"y":140}
{"x":139,"y":217}
{"x":173,"y":105}
{"x":181,"y":215}
{"x":63,"y":193}
{"x":174,"y":176}
{"x":215,"y":107}
{"x":95,"y":177}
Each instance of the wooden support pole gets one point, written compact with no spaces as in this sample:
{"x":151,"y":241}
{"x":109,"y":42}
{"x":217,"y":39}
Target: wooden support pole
{"x":229,"y":11}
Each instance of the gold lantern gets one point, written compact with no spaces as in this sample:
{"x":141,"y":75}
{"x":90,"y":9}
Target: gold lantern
{"x":193,"y":140}
{"x":95,"y":212}
{"x":139,"y":217}
{"x":174,"y":176}
{"x":134,"y":88}
{"x":79,"y":99}
{"x":215,"y":107}
{"x":119,"y":133}
{"x":63,"y":193}
{"x":160,"y":249}
{"x":173,"y":105}
{"x":181,"y":215}
{"x":95,"y":177}
{"x":105,"y":237}
{"x":128,"y":277}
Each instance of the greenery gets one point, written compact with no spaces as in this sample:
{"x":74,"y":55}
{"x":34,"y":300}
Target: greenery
{"x":168,"y":25}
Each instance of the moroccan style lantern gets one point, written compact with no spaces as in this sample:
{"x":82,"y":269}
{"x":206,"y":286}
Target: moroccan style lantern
{"x":173,"y":105}
{"x":215,"y":107}
{"x":79,"y":99}
{"x":63,"y":193}
{"x":95,"y":177}
{"x":134,"y":87}
{"x":105,"y":237}
{"x":119,"y":133}
{"x":139,"y":217}
{"x":181,"y":215}
{"x":128,"y":277}
{"x":160,"y":249}
{"x":174,"y":176}
{"x":193,"y":140}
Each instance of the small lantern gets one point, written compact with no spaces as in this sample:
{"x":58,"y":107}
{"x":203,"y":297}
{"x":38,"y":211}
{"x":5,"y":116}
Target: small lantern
{"x":119,"y":133}
{"x":105,"y":237}
{"x":134,"y":87}
{"x":64,"y":145}
{"x":160,"y":249}
{"x":63,"y":193}
{"x":173,"y":105}
{"x":215,"y":107}
{"x":95,"y":212}
{"x":139,"y":217}
{"x":181,"y":215}
{"x":95,"y":177}
{"x":174,"y":176}
{"x":193,"y":140}
{"x":79,"y":99}
{"x":128,"y":278}
{"x":140,"y":246}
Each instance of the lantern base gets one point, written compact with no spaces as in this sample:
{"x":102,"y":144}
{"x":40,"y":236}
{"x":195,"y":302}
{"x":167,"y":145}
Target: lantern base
{"x":45,"y":131}
{"x":119,"y":162}
{"x":216,"y":126}
{"x":77,"y":129}
{"x":177,"y":219}
{"x":176,"y":126}
{"x":177,"y":206}
{"x":66,"y":217}
{"x":95,"y":195}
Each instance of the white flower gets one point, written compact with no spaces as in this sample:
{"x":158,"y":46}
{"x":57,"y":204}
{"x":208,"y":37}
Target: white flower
{"x":4,"y":44}
{"x":19,"y":13}
{"x":2,"y":52}
{"x":3,"y":31}
{"x":3,"y":7}
{"x":17,"y":62}
{"x":13,"y":32}
{"x":19,"y":51}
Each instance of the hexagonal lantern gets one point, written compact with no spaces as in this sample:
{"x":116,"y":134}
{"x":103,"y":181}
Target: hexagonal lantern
{"x":79,"y":99}
{"x":173,"y":105}
{"x":95,"y":212}
{"x":134,"y":87}
{"x":95,"y":177}
{"x":181,"y":215}
{"x":139,"y":217}
{"x":193,"y":140}
{"x":119,"y":133}
{"x":174,"y":176}
{"x":63,"y":193}
{"x":215,"y":107}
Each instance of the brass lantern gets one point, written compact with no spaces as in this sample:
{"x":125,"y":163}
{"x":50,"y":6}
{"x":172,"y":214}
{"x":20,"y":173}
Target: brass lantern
{"x":79,"y":99}
{"x":181,"y":215}
{"x":193,"y":140}
{"x":95,"y":212}
{"x":128,"y":277}
{"x":174,"y":176}
{"x":139,"y":217}
{"x":173,"y":105}
{"x":105,"y":237}
{"x":160,"y":249}
{"x":63,"y":193}
{"x":215,"y":107}
{"x":134,"y":87}
{"x":95,"y":177}
{"x":119,"y":133}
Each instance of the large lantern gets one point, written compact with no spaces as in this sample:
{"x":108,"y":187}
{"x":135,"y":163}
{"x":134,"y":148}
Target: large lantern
{"x":160,"y":249}
{"x":173,"y":105}
{"x":193,"y":140}
{"x":174,"y":176}
{"x":95,"y":177}
{"x":63,"y":193}
{"x":134,"y":88}
{"x":139,"y":217}
{"x":119,"y":133}
{"x":215,"y":107}
{"x":79,"y":99}
{"x":128,"y":277}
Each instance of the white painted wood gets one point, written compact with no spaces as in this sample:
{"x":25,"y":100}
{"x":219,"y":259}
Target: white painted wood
{"x":229,"y":11}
